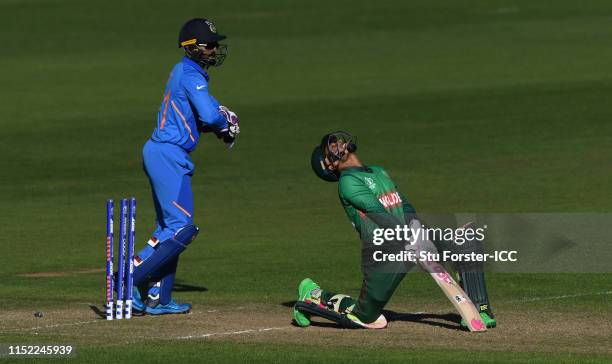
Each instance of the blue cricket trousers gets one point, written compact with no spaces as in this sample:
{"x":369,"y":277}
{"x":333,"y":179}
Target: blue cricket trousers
{"x":169,"y":168}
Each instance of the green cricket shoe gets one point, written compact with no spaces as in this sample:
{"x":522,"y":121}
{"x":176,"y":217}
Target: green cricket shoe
{"x":489,"y":321}
{"x":306,"y":286}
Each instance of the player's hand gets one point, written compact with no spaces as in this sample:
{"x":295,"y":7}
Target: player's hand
{"x":232,"y":121}
{"x":206,"y":128}
{"x":233,"y":126}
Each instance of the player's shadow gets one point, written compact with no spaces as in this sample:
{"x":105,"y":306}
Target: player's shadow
{"x":99,"y":312}
{"x":448,"y":320}
{"x":183,"y":287}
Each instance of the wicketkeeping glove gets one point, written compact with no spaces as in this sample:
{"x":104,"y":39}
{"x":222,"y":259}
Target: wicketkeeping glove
{"x":233,"y":129}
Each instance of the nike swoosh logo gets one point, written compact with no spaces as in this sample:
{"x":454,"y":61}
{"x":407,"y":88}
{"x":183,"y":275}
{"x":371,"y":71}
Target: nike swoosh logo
{"x":200,"y":87}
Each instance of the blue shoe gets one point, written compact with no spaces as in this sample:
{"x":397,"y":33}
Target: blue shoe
{"x":153,"y":294}
{"x":171,"y":308}
{"x":137,"y":304}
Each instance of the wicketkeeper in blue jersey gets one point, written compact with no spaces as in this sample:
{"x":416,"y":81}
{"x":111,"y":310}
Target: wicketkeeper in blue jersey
{"x":187,"y":110}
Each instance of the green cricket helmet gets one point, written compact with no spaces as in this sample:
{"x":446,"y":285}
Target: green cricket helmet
{"x":333,"y":147}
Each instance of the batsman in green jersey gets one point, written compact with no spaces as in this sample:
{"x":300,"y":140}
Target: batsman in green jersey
{"x":372,"y":202}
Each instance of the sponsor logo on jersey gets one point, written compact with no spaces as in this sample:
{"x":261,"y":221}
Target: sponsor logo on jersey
{"x":390,"y":200}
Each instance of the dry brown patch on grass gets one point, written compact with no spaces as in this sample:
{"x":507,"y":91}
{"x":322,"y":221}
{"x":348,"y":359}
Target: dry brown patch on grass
{"x":518,"y":331}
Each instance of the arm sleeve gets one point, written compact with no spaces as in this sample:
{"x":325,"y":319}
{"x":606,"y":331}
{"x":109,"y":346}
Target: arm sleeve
{"x":215,"y":102}
{"x":356,"y":193}
{"x":207,"y":106}
{"x":406,"y":205}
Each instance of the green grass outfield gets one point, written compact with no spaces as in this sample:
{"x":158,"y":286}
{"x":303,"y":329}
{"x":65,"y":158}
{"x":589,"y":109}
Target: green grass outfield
{"x":484,"y":106}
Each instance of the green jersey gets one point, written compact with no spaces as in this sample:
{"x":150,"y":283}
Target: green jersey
{"x":371,"y":200}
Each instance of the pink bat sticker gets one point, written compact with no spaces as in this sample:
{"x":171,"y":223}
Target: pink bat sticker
{"x":478,"y":324}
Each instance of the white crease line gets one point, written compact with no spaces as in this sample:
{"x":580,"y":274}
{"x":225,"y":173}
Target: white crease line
{"x":52,"y":326}
{"x":535,"y":299}
{"x":203,"y":336}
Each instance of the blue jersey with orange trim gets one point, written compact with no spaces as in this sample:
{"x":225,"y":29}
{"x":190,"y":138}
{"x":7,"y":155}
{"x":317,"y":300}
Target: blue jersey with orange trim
{"x":186,"y":107}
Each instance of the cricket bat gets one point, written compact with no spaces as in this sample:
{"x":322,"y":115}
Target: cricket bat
{"x":456,"y":295}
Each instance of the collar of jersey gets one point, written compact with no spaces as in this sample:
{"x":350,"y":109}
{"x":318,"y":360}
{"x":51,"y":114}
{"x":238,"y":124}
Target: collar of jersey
{"x":358,"y":169}
{"x":186,"y":60}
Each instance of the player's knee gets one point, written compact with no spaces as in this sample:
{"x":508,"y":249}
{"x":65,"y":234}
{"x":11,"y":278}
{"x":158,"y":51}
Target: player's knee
{"x":186,"y":234}
{"x":380,"y":295}
{"x":370,"y":311}
{"x":369,"y":316}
